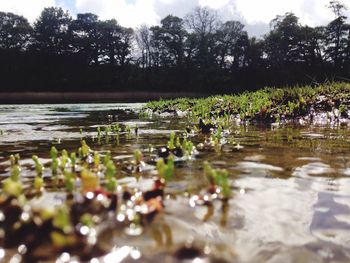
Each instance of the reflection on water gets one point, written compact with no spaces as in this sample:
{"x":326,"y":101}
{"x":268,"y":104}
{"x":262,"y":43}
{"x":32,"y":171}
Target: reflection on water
{"x":291,"y":198}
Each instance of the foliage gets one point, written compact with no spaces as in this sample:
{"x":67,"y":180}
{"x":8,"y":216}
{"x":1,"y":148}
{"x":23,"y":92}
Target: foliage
{"x":199,"y":52}
{"x":260,"y":104}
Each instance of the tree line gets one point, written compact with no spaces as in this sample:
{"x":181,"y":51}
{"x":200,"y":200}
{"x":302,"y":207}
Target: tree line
{"x":197,"y":52}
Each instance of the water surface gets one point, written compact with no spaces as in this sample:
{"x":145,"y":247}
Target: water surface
{"x":291,"y":184}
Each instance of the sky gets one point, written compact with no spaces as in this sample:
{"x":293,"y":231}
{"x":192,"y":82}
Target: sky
{"x":255,"y":14}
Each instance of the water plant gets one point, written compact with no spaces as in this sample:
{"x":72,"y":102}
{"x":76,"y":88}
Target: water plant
{"x":218,"y":178}
{"x":265,"y":105}
{"x":54,"y":160}
{"x":15,"y":167}
{"x":38,"y":180}
{"x":166,"y":170}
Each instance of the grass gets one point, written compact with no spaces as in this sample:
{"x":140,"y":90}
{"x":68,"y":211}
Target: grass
{"x":268,"y":104}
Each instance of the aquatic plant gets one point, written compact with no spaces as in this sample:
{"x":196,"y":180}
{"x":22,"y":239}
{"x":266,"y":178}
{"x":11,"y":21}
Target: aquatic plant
{"x":38,"y":165}
{"x":54,"y":160}
{"x":15,"y":167}
{"x":218,"y":178}
{"x":166,"y":170}
{"x":265,"y":105}
{"x":171,"y":142}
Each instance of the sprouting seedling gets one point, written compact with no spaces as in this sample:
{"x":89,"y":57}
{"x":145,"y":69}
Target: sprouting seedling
{"x":38,"y":183}
{"x":110,"y":176}
{"x":171,"y":142}
{"x":53,"y":152}
{"x":224,"y":182}
{"x":110,"y":169}
{"x":69,"y":180}
{"x":218,"y":177}
{"x":87,"y":220}
{"x":187,"y":146}
{"x":166,"y":171}
{"x":14,"y":159}
{"x":90,"y":181}
{"x":38,"y":180}
{"x":64,"y":159}
{"x":116,"y":128}
{"x":107,"y":130}
{"x":99,"y":133}
{"x":62,"y":220}
{"x":178,"y":143}
{"x":11,"y":187}
{"x":73,"y":159}
{"x":85,"y":149}
{"x":107,"y":158}
{"x":38,"y":165}
{"x":96,"y":159}
{"x":218,"y":133}
{"x":138,"y":157}
{"x":54,"y":160}
{"x":81,"y":131}
{"x":15,"y":167}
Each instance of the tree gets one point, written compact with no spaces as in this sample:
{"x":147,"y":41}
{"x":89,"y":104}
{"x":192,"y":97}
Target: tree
{"x":230,"y":38}
{"x":51,"y":31}
{"x":143,"y":38}
{"x":283,"y":41}
{"x":15,"y":31}
{"x":86,"y":37}
{"x":203,"y":23}
{"x":168,"y":42}
{"x":311,"y":46}
{"x":116,"y":42}
{"x":254,"y":54}
{"x":336,"y":35}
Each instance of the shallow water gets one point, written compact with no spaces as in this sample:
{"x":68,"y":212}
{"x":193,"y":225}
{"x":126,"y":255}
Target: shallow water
{"x":291,"y":185}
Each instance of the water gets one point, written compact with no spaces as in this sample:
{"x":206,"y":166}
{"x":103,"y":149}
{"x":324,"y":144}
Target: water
{"x":291,"y":185}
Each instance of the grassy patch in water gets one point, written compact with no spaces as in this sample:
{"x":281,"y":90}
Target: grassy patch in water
{"x":265,"y":104}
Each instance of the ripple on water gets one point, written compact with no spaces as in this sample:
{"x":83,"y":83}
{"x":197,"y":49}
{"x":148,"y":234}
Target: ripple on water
{"x":257,"y":169}
{"x":331,"y":222}
{"x":313,"y":169}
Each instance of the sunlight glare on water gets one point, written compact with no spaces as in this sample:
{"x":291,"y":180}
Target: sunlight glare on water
{"x":291,"y":197}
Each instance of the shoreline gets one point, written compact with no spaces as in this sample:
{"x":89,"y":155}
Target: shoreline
{"x":90,"y":97}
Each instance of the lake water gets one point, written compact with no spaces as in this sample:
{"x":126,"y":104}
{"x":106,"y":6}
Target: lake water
{"x":290,"y":184}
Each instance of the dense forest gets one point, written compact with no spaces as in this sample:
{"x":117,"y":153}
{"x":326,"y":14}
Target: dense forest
{"x":195,"y":53}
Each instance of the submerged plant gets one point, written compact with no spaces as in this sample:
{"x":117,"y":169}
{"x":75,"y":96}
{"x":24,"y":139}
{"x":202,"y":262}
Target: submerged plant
{"x":166,"y":170}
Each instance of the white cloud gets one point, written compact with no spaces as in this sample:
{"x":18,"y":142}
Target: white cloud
{"x":127,"y":14}
{"x":255,"y":14}
{"x":30,"y":9}
{"x":214,"y":4}
{"x":311,"y":12}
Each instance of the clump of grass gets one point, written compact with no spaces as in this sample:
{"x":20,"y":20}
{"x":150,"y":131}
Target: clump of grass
{"x":264,"y":104}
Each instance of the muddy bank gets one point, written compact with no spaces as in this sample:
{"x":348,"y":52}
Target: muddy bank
{"x":72,"y":97}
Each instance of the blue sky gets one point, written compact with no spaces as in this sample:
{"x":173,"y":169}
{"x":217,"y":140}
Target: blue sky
{"x":255,"y":14}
